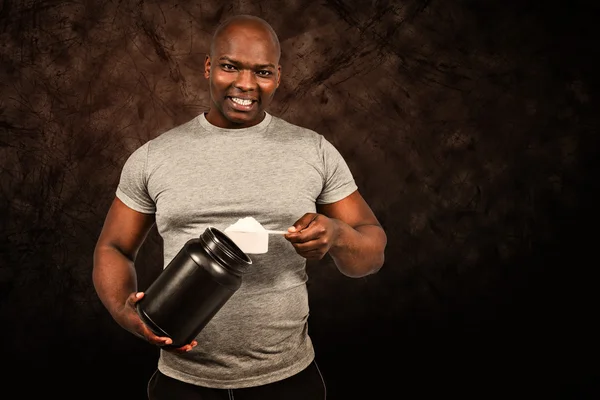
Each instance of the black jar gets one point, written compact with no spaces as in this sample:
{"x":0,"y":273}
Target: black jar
{"x":193,"y":287}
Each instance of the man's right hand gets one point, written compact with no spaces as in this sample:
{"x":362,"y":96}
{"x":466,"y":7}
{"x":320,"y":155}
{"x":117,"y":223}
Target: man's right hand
{"x":130,"y":320}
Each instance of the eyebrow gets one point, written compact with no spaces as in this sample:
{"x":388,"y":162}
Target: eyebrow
{"x":257,"y":66}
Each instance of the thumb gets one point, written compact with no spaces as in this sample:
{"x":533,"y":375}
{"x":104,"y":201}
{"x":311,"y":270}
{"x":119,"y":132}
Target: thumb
{"x":136,"y":297}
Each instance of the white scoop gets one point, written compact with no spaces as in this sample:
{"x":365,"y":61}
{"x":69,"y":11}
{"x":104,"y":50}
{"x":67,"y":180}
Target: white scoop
{"x":250,"y":236}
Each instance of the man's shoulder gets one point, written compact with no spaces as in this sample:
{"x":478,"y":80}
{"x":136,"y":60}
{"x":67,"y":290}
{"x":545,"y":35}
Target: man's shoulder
{"x":284,"y":125}
{"x":183,"y":128}
{"x":174,"y":133}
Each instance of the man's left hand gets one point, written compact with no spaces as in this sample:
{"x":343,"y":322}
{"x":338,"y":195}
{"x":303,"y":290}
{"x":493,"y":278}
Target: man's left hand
{"x":313,"y":235}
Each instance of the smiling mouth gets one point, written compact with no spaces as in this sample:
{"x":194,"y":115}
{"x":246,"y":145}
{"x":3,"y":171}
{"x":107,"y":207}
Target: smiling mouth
{"x":240,"y":104}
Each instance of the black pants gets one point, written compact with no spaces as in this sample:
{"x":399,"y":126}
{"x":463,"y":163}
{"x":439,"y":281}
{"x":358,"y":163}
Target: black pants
{"x":306,"y":385}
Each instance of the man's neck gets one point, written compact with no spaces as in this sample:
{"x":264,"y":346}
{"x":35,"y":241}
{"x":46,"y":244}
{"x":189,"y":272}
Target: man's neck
{"x":215,"y":118}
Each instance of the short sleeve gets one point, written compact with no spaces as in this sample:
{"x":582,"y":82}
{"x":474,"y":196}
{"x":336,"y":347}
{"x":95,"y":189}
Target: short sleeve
{"x":133,"y":189}
{"x":338,"y":180}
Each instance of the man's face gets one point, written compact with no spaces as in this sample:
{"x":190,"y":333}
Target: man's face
{"x":243,"y":74}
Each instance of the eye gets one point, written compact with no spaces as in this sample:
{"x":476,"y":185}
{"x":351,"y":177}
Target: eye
{"x":264,"y":73}
{"x":228,"y":67}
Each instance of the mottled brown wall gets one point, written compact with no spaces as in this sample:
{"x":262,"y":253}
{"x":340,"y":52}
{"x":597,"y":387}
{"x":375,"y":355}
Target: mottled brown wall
{"x":470,"y":127}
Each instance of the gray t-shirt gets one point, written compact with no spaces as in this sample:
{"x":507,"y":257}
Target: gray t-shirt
{"x":198,"y":175}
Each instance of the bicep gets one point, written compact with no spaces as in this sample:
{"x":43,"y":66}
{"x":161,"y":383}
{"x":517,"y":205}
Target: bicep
{"x":124,"y":228}
{"x":352,"y":209}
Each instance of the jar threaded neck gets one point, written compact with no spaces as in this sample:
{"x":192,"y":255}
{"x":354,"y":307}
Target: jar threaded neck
{"x":225,"y":250}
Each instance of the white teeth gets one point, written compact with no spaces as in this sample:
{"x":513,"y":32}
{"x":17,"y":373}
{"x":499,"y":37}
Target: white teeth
{"x":241,"y":101}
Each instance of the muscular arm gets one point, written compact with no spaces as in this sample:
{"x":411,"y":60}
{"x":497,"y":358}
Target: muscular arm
{"x":114,"y":274}
{"x":348,"y":231}
{"x":358,"y":248}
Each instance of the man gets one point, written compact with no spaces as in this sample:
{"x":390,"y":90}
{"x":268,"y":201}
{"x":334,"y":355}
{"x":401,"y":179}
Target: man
{"x":234,"y":161}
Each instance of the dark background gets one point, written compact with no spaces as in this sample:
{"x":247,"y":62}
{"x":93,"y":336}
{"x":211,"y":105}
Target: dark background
{"x":471,"y":128}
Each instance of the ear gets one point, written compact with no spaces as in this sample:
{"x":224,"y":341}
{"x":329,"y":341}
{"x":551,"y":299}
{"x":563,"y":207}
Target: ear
{"x":278,"y":74}
{"x":207,"y":67}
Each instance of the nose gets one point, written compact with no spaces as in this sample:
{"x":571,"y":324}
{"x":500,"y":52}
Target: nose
{"x":245,"y":81}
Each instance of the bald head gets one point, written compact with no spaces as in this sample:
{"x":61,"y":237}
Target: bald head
{"x":239,"y":22}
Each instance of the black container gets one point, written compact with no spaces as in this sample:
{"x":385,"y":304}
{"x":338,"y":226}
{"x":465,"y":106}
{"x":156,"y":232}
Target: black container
{"x":193,"y":287}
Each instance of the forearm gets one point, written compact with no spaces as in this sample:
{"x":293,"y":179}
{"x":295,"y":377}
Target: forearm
{"x":114,"y":278}
{"x":359,"y":251}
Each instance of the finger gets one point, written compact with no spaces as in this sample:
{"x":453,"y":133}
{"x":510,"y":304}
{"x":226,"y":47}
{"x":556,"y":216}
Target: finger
{"x":135,"y":297}
{"x":302,"y":245}
{"x":312,"y":254}
{"x":159,"y":340}
{"x":314,"y":232}
{"x":315,"y":235}
{"x":152,"y":337}
{"x":310,"y":249}
{"x":182,"y":349}
{"x":188,"y":347}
